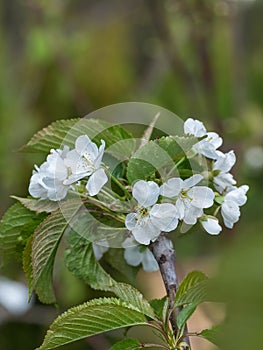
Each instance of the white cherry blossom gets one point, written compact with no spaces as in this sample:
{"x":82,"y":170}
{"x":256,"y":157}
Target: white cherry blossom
{"x":150,"y":219}
{"x":210,"y":224}
{"x":85,"y":161}
{"x":47,"y":181}
{"x":232,"y":201}
{"x":225,"y":161}
{"x":136,"y":254}
{"x":223,"y":179}
{"x":208,"y":146}
{"x":194,"y":127}
{"x":190,"y":200}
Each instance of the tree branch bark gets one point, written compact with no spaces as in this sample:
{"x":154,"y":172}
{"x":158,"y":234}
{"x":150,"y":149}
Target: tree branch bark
{"x":164,"y":254}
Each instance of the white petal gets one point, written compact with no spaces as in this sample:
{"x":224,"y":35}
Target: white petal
{"x":164,"y":216}
{"x":133,"y":256}
{"x":96,"y":181}
{"x":79,"y":166}
{"x":57,"y":191}
{"x":194,"y":127}
{"x":148,"y":261}
{"x":146,"y":192}
{"x":84,"y":146}
{"x":225,"y":162}
{"x":223,"y":181}
{"x":145,"y":231}
{"x":131,"y":221}
{"x":36,"y":189}
{"x":205,"y":148}
{"x":211,"y":226}
{"x":191,"y":215}
{"x":180,"y":207}
{"x":192,"y":181}
{"x":230,"y":213}
{"x":238,"y":195}
{"x":97,"y":161}
{"x":214,"y":139}
{"x":202,"y":196}
{"x":56,"y":165}
{"x":172,"y":187}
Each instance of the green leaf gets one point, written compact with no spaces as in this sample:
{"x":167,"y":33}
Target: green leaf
{"x":115,"y":258}
{"x":192,"y":289}
{"x":65,"y":132}
{"x":38,"y":205}
{"x":27,"y":265}
{"x":127,"y":344}
{"x":157,"y":156}
{"x":177,"y":146}
{"x":80,"y":260}
{"x":129,"y":294}
{"x":93,"y":317}
{"x":146,"y":161}
{"x":211,"y":334}
{"x":185,"y":314}
{"x":17,"y":224}
{"x":158,"y":306}
{"x":44,"y":247}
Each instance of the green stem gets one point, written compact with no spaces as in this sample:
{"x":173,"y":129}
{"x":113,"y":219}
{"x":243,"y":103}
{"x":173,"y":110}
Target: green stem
{"x":148,"y":345}
{"x":174,"y":167}
{"x":109,"y":194}
{"x":104,"y":207}
{"x":119,"y":184}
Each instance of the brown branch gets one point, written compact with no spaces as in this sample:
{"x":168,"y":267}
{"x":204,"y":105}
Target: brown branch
{"x":164,"y":254}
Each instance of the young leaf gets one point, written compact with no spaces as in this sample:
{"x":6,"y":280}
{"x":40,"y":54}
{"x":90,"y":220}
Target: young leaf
{"x":158,"y":306}
{"x":157,"y":155}
{"x":211,"y":334}
{"x":129,"y":294}
{"x":126,"y":344}
{"x":80,"y":260}
{"x":146,"y":161}
{"x":38,"y":205}
{"x":185,"y":314}
{"x":65,"y":132}
{"x":44,"y":246}
{"x":176,"y":146}
{"x":192,"y":289}
{"x":93,"y":317}
{"x":17,"y":224}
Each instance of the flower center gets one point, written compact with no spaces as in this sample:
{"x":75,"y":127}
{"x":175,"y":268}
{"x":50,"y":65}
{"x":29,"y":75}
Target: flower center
{"x":142,"y":212}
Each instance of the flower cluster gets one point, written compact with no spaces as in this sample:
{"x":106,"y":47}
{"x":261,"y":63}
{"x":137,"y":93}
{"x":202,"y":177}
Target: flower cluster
{"x":64,"y":168}
{"x":162,"y":208}
{"x":208,"y":197}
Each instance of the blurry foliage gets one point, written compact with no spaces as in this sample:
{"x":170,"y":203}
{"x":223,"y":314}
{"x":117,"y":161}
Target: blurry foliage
{"x":199,"y":58}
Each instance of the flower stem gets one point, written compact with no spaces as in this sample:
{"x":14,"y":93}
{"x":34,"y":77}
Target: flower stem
{"x":164,"y":254}
{"x":175,"y":167}
{"x":119,"y":184}
{"x":146,"y":345}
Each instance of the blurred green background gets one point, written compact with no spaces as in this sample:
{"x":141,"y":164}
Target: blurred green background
{"x":198,"y":58}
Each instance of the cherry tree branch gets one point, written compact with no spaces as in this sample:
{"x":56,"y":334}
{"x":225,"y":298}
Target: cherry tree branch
{"x":164,"y":254}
